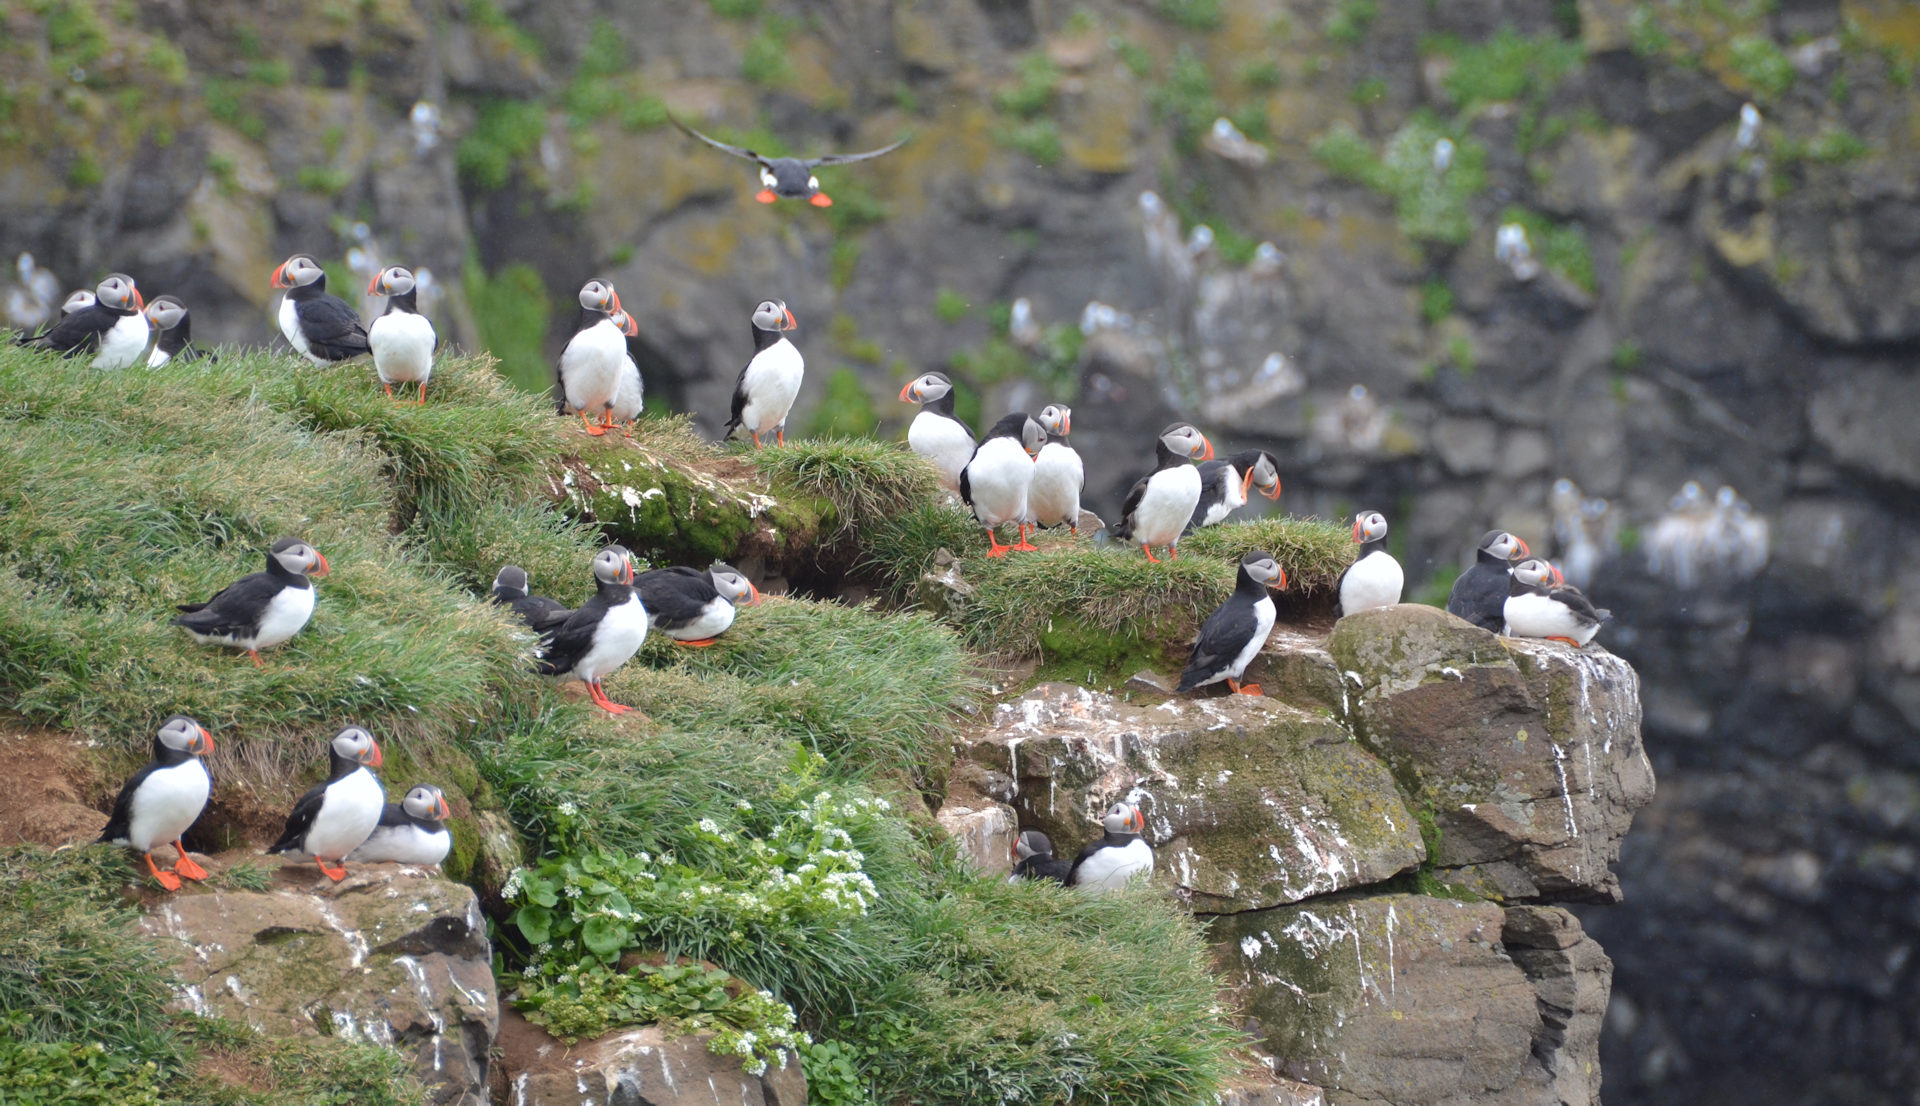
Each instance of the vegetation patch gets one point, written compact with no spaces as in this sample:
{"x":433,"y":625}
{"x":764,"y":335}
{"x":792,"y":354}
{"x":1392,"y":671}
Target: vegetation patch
{"x":1430,"y":204}
{"x":1561,"y":247}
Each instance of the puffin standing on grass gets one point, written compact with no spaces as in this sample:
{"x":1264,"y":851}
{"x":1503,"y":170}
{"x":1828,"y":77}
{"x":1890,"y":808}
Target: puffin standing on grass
{"x":936,"y":433}
{"x":1480,"y":594}
{"x":603,"y":634}
{"x":402,"y":340}
{"x":336,"y":815}
{"x":1160,"y":504}
{"x":168,"y":316}
{"x":537,"y":611}
{"x":320,"y":327}
{"x":411,"y":831}
{"x":694,"y":606}
{"x":1237,"y":629}
{"x":161,"y":800}
{"x":261,"y":610}
{"x":1118,"y":857}
{"x":1225,"y":485}
{"x":788,"y":177}
{"x":629,"y":395}
{"x":1540,"y":604}
{"x":588,"y":375}
{"x":113,"y":328}
{"x":997,"y":479}
{"x":1058,"y":474}
{"x":76,"y":300}
{"x":1033,"y":859}
{"x":764,"y":393}
{"x":1374,"y":578}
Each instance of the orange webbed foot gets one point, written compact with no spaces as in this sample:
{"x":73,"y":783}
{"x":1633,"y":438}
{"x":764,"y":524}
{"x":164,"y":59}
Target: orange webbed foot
{"x":1568,"y":640}
{"x":1148,"y":550}
{"x":389,"y":389}
{"x":701,"y":643}
{"x":185,"y":866}
{"x":257,"y":662}
{"x":1249,"y":689}
{"x":336,"y":874}
{"x":167,"y":879}
{"x":422,"y":401}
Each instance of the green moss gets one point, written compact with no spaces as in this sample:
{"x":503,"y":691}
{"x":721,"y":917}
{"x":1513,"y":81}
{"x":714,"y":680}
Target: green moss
{"x":76,"y":38}
{"x":735,"y":9}
{"x":85,"y":172}
{"x":764,"y":62}
{"x":1349,"y":21}
{"x":505,"y":132}
{"x":1436,"y":300}
{"x":1627,"y":355}
{"x":513,"y":309}
{"x":1187,"y":99}
{"x":324,"y":179}
{"x":1561,"y":247}
{"x":1508,"y":67}
{"x":227,"y":101}
{"x":950,"y":306}
{"x":1135,"y":57}
{"x":1761,"y":62}
{"x":1372,"y":90}
{"x":843,"y":260}
{"x":1075,"y":652}
{"x":1429,"y":206}
{"x":167,"y":61}
{"x":1460,"y":352}
{"x":1039,"y":81}
{"x":1038,"y":139}
{"x":1195,"y":15}
{"x":1260,"y":75}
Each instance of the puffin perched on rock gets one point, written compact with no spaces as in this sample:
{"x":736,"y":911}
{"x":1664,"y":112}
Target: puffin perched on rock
{"x":1236,"y":629}
{"x":510,"y":586}
{"x":261,"y":610}
{"x":1540,"y":604}
{"x":789,"y":178}
{"x":1058,"y":474}
{"x":1033,"y":858}
{"x":336,"y":815}
{"x":694,"y":606}
{"x":1118,"y":857}
{"x":1480,"y":594}
{"x":1374,"y":578}
{"x":402,"y":340}
{"x":1160,"y":504}
{"x":764,"y":393}
{"x":411,"y":831}
{"x":113,"y":328}
{"x":169,"y":317}
{"x":997,"y":479}
{"x":603,"y":633}
{"x":161,"y":800}
{"x":587,"y":379}
{"x":1225,"y":485}
{"x":322,"y":328}
{"x":936,"y":433}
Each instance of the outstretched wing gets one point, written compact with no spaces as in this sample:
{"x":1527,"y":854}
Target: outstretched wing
{"x":736,"y":151}
{"x":841,"y":159}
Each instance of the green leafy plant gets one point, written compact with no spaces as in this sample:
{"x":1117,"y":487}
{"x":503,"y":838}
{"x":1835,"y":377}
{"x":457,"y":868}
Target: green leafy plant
{"x":1436,"y":300}
{"x":1039,"y":81}
{"x":833,"y":1075}
{"x":1762,"y":63}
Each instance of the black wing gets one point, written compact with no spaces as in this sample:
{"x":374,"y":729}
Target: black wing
{"x":301,"y":820}
{"x":79,"y":332}
{"x":120,"y":824}
{"x":736,"y":151}
{"x":539,"y":612}
{"x":1577,"y":602}
{"x":1073,"y":873}
{"x":841,"y":159}
{"x":393,"y":814}
{"x":675,"y":596}
{"x":739,"y":403}
{"x":966,"y":485}
{"x":1124,"y":528}
{"x":332,"y":327}
{"x":570,"y":640}
{"x":1480,"y":597}
{"x":1042,"y":867}
{"x":234,"y":607}
{"x":1221,"y":638}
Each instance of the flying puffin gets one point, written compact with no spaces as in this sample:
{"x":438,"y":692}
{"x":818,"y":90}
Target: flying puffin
{"x":1374,"y":578}
{"x":588,"y":375}
{"x":402,"y":340}
{"x":113,"y":328}
{"x":1225,"y":485}
{"x":629,"y":396}
{"x":764,"y":393}
{"x":537,"y":611}
{"x":175,"y":343}
{"x":997,"y":479}
{"x":936,"y":433}
{"x":411,"y":831}
{"x":1058,"y":475}
{"x":1539,"y":604}
{"x":1480,"y":594}
{"x":335,"y":816}
{"x":1118,"y":857}
{"x":789,"y":178}
{"x":603,"y":634}
{"x":161,"y":800}
{"x":1033,"y":858}
{"x":1236,"y":629}
{"x":261,"y":610}
{"x":320,"y":327}
{"x":694,"y":606}
{"x":1160,"y":503}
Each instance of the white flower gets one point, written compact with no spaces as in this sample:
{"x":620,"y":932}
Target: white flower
{"x":743,"y":805}
{"x":573,"y":891}
{"x":708,"y":825}
{"x":567,"y":809}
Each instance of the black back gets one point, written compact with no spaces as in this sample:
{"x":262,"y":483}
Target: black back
{"x":537,"y":611}
{"x":569,"y":641}
{"x":79,"y":332}
{"x":120,"y":824}
{"x":308,"y":807}
{"x":238,"y":607}
{"x":675,"y":596}
{"x":1043,"y":866}
{"x":1480,"y":594}
{"x":176,"y":341}
{"x":1164,"y":459}
{"x":330,"y":324}
{"x":1225,"y":632}
{"x":393,"y":814}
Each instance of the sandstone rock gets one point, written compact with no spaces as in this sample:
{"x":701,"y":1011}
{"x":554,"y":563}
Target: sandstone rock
{"x":650,"y":1066}
{"x":982,"y":828}
{"x":393,"y":955}
{"x":1249,"y":803}
{"x":1525,"y":755}
{"x":1571,"y":980}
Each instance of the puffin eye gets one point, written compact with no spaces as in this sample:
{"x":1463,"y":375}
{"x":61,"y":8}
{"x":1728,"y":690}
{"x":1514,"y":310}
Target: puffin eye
{"x":813,"y":182}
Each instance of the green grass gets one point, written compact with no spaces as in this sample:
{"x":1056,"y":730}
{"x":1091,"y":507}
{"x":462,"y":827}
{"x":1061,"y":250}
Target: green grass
{"x":1195,"y":15}
{"x":868,"y":481}
{"x":1428,"y":206}
{"x":1761,"y":62}
{"x":1313,"y":552}
{"x":1507,"y":67}
{"x":514,"y":311}
{"x":846,"y":410}
{"x":1035,"y":90}
{"x":505,"y":132}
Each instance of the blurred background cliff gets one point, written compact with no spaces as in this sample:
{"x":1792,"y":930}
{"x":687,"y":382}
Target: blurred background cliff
{"x":1639,"y":281}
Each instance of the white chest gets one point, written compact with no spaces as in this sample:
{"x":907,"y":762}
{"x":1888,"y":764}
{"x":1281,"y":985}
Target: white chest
{"x":998,"y":479}
{"x":1374,"y":580}
{"x":1057,"y":478}
{"x":158,"y":358}
{"x":590,"y":366}
{"x":629,"y":394}
{"x":616,"y":639}
{"x":122,"y":345}
{"x":350,"y":812}
{"x":404,"y":844}
{"x":944,"y":442}
{"x":772,"y":381}
{"x":289,"y":319}
{"x":167,"y":803}
{"x":1263,"y":616}
{"x":1110,"y":869}
{"x":1166,"y":506}
{"x":1533,"y":615}
{"x":402,"y":345}
{"x":287,"y":612}
{"x":714,"y":620}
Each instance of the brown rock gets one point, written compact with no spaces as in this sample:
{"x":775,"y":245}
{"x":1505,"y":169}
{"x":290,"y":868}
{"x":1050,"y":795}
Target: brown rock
{"x":650,"y":1066}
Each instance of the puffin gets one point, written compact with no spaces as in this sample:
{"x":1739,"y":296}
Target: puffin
{"x":1058,"y":475}
{"x":1159,"y":504}
{"x":1374,"y":578}
{"x":168,"y":316}
{"x":76,"y":299}
{"x":789,"y":178}
{"x":1236,"y":629}
{"x":411,"y":831}
{"x":996,"y":480}
{"x":261,"y":610}
{"x":1540,"y":604}
{"x":161,"y":800}
{"x":402,"y":340}
{"x":113,"y":328}
{"x":694,"y":606}
{"x":320,"y":327}
{"x":336,"y":815}
{"x":1119,"y":856}
{"x":537,"y":611}
{"x":603,"y":633}
{"x":1480,"y":594}
{"x":1225,"y":484}
{"x":764,"y":393}
{"x":588,"y":374}
{"x":936,"y":433}
{"x":629,"y":395}
{"x":1033,"y":859}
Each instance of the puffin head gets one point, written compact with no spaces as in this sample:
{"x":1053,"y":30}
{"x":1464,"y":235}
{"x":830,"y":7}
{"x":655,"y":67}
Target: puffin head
{"x":598,"y":295}
{"x":356,"y":744}
{"x":1535,"y":573}
{"x":613,"y":565}
{"x":773,"y":315}
{"x":1369,"y":526}
{"x":1057,"y":418}
{"x":1031,"y":843}
{"x":1263,"y":474}
{"x":394,"y":280}
{"x":511,"y":577}
{"x":1187,"y":442}
{"x":624,"y":322}
{"x":166,"y":312}
{"x":299,"y":558}
{"x":77,"y":300}
{"x":926,"y":388}
{"x":425,"y":802}
{"x":118,"y":292}
{"x":1503,"y":545}
{"x":185,"y":735}
{"x":734,"y":587}
{"x":1124,"y":818}
{"x":1264,"y":570}
{"x":299,"y":271}
{"x":1032,"y":436}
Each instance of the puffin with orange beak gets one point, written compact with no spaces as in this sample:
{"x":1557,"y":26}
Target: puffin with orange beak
{"x":411,"y":831}
{"x":694,"y":606}
{"x":163,"y":799}
{"x":764,"y":393}
{"x":113,"y":328}
{"x":1374,"y":579}
{"x":264,"y":609}
{"x":997,"y":480}
{"x":936,"y":433}
{"x":171,"y":320}
{"x":1058,"y":473}
{"x":587,"y":379}
{"x":789,"y":178}
{"x":1228,"y":484}
{"x":320,"y":327}
{"x":338,"y":814}
{"x":629,"y":396}
{"x":402,"y":339}
{"x":1159,"y":504}
{"x":1480,"y":594}
{"x":1540,"y":603}
{"x":601,"y":634}
{"x":1120,"y":856}
{"x":1234,"y":633}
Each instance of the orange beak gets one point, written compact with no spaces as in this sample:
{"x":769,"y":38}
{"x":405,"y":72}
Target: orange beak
{"x":139,"y":301}
{"x":1356,"y":531}
{"x":1275,"y":493}
{"x":632,"y":328}
{"x":203,"y":745}
{"x":616,"y":304}
{"x":1524,"y":551}
{"x":792,"y":323}
{"x":626,"y":572}
{"x":908,"y":394}
{"x":441,"y":810}
{"x":820,"y":200}
{"x":765,"y":196}
{"x":1138,"y":822}
{"x":372,"y":757}
{"x":1246,"y":484}
{"x":279,"y":275}
{"x":1208,"y":446}
{"x":1559,"y":581}
{"x":1281,"y":584}
{"x":323,"y":567}
{"x":753,"y":594}
{"x":374,"y":285}
{"x":1066,"y":426}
